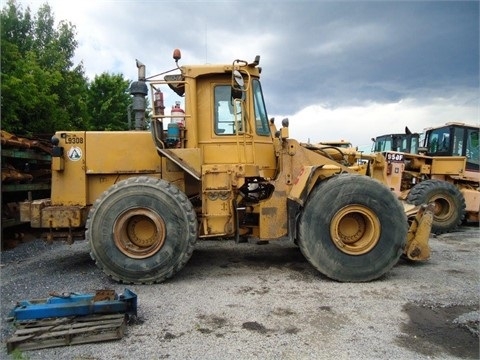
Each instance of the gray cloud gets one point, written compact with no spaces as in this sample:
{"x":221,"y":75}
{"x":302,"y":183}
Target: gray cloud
{"x":379,"y":51}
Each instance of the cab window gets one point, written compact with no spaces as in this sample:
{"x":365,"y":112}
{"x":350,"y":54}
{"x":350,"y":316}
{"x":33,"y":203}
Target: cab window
{"x":261,"y":118}
{"x":439,"y":141}
{"x":414,"y":146}
{"x":472,"y":151}
{"x":224,"y":111}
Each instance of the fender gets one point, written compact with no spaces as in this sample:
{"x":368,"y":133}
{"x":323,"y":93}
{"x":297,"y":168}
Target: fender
{"x":309,"y":176}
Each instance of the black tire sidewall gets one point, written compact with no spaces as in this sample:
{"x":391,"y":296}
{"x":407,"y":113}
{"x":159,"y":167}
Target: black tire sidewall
{"x":325,"y":201}
{"x":423,"y":192}
{"x":164,"y":199}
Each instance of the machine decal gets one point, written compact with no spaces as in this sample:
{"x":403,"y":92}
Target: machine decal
{"x":392,"y":157}
{"x":75,"y":153}
{"x":73,"y":139}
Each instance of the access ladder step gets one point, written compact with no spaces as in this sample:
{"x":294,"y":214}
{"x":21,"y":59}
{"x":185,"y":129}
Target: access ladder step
{"x":54,"y":332}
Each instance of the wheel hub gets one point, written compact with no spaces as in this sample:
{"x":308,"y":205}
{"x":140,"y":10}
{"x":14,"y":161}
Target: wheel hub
{"x":355,"y":229}
{"x":443,"y":208}
{"x":139,"y":233}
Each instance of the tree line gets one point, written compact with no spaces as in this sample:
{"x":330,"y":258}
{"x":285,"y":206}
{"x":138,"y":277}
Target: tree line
{"x":42,"y":90}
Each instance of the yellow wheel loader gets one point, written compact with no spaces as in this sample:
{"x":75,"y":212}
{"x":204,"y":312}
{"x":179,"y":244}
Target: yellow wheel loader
{"x":213,"y":166}
{"x":444,"y":172}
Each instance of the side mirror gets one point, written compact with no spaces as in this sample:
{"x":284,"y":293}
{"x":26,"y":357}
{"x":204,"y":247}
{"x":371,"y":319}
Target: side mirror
{"x":238,"y":79}
{"x":238,"y":85}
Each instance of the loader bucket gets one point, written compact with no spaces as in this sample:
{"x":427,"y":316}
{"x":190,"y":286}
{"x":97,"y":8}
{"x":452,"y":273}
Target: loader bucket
{"x":417,"y":247}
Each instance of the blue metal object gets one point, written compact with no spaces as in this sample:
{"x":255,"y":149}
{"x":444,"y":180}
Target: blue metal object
{"x":73,"y":304}
{"x":173,"y":134}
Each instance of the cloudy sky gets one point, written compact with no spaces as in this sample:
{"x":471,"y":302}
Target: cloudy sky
{"x":337,"y":69}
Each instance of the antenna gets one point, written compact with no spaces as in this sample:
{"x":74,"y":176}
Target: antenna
{"x":206,"y":43}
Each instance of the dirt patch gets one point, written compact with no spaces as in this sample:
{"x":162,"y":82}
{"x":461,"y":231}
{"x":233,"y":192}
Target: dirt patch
{"x":255,"y":326}
{"x":434,"y":330}
{"x":211,"y":324}
{"x":283,"y":312}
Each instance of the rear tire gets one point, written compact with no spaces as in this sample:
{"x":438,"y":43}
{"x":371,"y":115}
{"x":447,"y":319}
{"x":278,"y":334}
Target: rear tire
{"x":352,"y":228}
{"x":142,"y":230}
{"x":449,"y":202}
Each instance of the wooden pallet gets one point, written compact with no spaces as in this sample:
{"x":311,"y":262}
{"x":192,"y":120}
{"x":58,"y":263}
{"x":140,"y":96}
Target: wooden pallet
{"x":54,"y":332}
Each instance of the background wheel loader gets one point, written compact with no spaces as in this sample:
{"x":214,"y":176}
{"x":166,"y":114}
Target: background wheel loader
{"x":444,"y":170}
{"x":216,"y":167}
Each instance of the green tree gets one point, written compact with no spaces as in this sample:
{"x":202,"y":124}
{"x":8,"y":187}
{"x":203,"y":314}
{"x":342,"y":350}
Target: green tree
{"x":41,"y":89}
{"x":108,"y":102}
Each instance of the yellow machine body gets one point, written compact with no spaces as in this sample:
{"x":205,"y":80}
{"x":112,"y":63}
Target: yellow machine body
{"x":243,"y":177}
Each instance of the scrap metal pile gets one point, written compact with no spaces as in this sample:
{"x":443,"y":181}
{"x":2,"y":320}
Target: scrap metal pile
{"x":26,"y":174}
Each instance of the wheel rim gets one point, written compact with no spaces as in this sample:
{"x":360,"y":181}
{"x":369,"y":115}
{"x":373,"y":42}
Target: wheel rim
{"x":355,"y":229}
{"x":139,"y":233}
{"x":443,"y":209}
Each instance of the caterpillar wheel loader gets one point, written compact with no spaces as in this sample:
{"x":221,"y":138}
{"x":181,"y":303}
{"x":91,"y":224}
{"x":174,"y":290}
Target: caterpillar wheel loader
{"x":444,"y":172}
{"x":216,"y":167}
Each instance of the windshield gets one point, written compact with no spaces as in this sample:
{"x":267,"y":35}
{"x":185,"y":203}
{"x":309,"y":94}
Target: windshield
{"x":261,"y":118}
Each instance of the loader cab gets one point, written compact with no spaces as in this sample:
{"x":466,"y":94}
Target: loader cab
{"x":407,"y":143}
{"x":223,"y":118}
{"x":454,"y":139}
{"x":233,"y":126}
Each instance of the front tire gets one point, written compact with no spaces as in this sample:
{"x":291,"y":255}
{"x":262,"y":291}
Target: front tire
{"x":352,"y":228}
{"x":449,"y":210}
{"x":142,"y":230}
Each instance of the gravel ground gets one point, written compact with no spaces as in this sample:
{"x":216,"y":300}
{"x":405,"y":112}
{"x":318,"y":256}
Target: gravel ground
{"x":249,"y":301}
